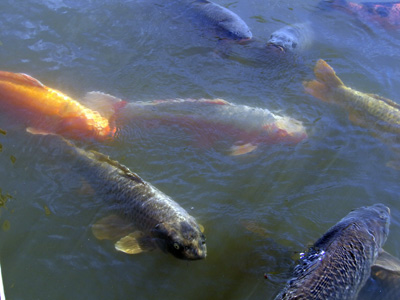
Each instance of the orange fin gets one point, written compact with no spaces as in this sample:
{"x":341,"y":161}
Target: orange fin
{"x":326,"y":74}
{"x":242,"y":149}
{"x":326,"y":80}
{"x":357,"y":119}
{"x":134,"y":243}
{"x":20,"y":78}
{"x":216,"y":101}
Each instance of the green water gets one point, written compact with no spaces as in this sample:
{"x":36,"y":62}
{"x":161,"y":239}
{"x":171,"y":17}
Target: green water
{"x":258,"y":210}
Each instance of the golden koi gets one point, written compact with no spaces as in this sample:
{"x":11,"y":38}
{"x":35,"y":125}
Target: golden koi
{"x":64,"y":115}
{"x":365,"y":110}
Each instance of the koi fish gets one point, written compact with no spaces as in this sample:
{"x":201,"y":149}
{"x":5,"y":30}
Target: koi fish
{"x":366,"y":110}
{"x":226,"y":23}
{"x":386,"y":14}
{"x":49,"y":110}
{"x":144,"y":218}
{"x":296,"y":37}
{"x":214,"y":120}
{"x":337,"y":266}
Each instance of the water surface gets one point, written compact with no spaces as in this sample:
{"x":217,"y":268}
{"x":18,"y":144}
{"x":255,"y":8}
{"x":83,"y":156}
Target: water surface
{"x":258,"y":210}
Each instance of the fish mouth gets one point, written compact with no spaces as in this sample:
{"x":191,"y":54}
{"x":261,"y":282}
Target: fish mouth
{"x":275,"y":48}
{"x":197,"y":254}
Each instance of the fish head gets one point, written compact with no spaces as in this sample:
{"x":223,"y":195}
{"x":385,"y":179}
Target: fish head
{"x":183,"y":239}
{"x":286,"y":129}
{"x":376,"y":219}
{"x":380,"y":223}
{"x":286,"y":39}
{"x":82,"y":127}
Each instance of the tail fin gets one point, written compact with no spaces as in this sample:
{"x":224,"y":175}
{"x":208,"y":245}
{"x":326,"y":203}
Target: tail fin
{"x":325,"y":82}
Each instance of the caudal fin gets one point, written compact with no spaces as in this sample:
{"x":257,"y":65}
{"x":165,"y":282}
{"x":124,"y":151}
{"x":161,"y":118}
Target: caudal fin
{"x":326,"y":81}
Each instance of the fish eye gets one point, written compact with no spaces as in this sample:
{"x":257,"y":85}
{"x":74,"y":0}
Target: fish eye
{"x":176,"y":246}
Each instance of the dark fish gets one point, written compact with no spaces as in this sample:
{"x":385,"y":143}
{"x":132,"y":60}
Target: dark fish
{"x":145,"y":217}
{"x":384,"y":282}
{"x":227,"y":24}
{"x":339,"y":263}
{"x":386,"y":14}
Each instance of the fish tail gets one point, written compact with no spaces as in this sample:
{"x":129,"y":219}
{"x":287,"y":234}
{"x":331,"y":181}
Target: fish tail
{"x":326,"y":81}
{"x":117,"y":107}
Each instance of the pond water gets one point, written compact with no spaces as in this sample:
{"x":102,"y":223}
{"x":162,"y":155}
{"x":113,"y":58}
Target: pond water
{"x":259,"y":210}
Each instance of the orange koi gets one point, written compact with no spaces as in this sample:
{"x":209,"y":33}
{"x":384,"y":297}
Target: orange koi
{"x":52,"y":111}
{"x":386,"y":14}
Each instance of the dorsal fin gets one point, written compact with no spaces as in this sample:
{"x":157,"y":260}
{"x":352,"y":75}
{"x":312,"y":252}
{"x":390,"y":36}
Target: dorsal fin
{"x":386,"y":100}
{"x":20,"y":78}
{"x":127,"y":173}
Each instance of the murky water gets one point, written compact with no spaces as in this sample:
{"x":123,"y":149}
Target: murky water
{"x":258,"y":210}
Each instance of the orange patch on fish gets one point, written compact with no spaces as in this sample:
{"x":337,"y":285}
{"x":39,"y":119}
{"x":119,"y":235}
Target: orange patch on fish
{"x":67,"y":116}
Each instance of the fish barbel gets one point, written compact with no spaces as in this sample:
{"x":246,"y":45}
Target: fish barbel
{"x":214,"y":120}
{"x":145,"y":218}
{"x":339,"y":263}
{"x":24,"y":94}
{"x":365,"y":110}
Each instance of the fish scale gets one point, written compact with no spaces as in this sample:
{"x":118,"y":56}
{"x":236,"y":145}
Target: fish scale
{"x":161,"y":220}
{"x":339,"y":263}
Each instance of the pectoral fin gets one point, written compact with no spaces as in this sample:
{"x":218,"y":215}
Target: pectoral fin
{"x":357,"y":119}
{"x":387,"y":262}
{"x":201,"y":228}
{"x":33,"y":130}
{"x":134,"y":243}
{"x":111,"y":228}
{"x":242,"y":149}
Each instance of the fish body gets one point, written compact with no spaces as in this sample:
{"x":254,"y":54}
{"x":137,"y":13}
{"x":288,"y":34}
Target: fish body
{"x":366,"y":110}
{"x":50,"y":110}
{"x":296,"y":37}
{"x":226,"y":23}
{"x":384,"y":282}
{"x":386,"y":14}
{"x":214,"y":120}
{"x":337,"y":266}
{"x":152,"y":218}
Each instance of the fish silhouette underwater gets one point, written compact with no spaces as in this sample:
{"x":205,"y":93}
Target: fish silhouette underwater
{"x":226,"y":23}
{"x":213,"y":120}
{"x":385,"y":14}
